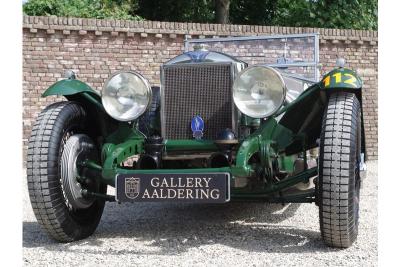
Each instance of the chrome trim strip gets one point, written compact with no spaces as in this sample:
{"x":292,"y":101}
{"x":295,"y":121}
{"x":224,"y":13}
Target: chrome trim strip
{"x":116,"y":189}
{"x":296,"y":64}
{"x":228,"y":186}
{"x":162,"y":96}
{"x":236,"y":69}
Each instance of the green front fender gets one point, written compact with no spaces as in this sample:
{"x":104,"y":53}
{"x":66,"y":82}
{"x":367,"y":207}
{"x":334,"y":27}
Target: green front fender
{"x":341,"y":78}
{"x":75,"y":90}
{"x":69,"y":87}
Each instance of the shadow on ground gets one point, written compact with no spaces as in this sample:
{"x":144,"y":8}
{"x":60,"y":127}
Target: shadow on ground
{"x":171,"y":229}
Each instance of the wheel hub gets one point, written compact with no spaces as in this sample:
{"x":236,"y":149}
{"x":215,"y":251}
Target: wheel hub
{"x":77,"y":148}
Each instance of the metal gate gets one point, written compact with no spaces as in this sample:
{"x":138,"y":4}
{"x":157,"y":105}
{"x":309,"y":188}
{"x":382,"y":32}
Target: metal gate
{"x":293,"y":54}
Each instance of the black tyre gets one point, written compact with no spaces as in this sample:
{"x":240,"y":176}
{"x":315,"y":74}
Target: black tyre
{"x":149,"y":122}
{"x":62,"y":212}
{"x":339,"y":179}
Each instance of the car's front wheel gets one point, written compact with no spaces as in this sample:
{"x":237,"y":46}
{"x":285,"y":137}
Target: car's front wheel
{"x":339,"y":177}
{"x":58,"y":142}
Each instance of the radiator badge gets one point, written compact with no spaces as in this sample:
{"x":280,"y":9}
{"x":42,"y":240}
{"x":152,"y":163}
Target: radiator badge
{"x":132,"y":187}
{"x":197,"y":126}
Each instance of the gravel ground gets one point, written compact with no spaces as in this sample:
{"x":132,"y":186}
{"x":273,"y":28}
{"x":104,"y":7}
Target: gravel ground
{"x":236,"y":234}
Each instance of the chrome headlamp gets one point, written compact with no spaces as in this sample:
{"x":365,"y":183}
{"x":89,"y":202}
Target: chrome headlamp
{"x":259,"y":91}
{"x":126,"y":95}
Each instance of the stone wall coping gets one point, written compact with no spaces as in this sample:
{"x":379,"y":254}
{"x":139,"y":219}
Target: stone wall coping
{"x":53,"y":23}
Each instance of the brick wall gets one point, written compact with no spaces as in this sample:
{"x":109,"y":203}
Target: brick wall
{"x":96,"y":48}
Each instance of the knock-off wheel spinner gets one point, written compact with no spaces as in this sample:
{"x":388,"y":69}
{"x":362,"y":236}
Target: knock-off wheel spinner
{"x":77,"y":149}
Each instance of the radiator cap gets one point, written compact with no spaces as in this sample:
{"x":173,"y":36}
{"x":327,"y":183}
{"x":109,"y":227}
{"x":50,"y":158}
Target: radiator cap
{"x":201,"y":47}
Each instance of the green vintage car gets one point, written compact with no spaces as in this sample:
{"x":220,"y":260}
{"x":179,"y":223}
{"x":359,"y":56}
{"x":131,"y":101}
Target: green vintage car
{"x":215,"y":131}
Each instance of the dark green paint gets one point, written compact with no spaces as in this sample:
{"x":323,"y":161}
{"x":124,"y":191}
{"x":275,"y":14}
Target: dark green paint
{"x":286,"y":163}
{"x":125,"y":142}
{"x":270,"y":139}
{"x":276,"y":187}
{"x":92,"y":165}
{"x":92,"y":99}
{"x":69,"y":87}
{"x":75,"y":90}
{"x":124,"y":132}
{"x":344,"y":81}
{"x":307,"y":197}
{"x":268,"y":189}
{"x":188,"y":145}
{"x":249,"y":121}
{"x":306,"y":94}
{"x":250,"y":146}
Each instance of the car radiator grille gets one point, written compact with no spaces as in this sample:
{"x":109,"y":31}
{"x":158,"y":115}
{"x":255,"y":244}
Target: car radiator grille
{"x":196,"y":89}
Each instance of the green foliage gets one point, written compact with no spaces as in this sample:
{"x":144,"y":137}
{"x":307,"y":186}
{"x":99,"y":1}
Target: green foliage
{"x":355,"y":14}
{"x":120,"y":9}
{"x":177,"y":10}
{"x":256,"y":12}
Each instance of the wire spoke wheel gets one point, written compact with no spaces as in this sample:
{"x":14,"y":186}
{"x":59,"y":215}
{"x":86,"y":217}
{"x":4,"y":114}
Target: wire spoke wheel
{"x":77,"y":149}
{"x":57,"y":145}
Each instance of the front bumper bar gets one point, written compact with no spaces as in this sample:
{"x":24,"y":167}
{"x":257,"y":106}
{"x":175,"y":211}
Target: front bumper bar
{"x":263,"y":192}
